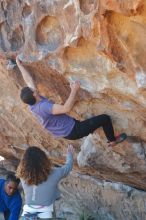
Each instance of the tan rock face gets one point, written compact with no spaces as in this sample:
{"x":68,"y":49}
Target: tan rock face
{"x":102,"y":44}
{"x":99,"y":199}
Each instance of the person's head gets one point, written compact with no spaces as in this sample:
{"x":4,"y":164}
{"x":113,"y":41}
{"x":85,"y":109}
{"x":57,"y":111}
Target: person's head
{"x":34,"y":167}
{"x":28,"y":96}
{"x":11,"y":184}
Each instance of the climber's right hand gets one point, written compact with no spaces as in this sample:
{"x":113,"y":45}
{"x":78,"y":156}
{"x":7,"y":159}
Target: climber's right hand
{"x":75,"y":86}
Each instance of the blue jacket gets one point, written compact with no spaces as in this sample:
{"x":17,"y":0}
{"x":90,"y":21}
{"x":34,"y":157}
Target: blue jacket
{"x":10,"y":203}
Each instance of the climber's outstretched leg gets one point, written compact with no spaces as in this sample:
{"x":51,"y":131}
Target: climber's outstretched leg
{"x":83,"y":128}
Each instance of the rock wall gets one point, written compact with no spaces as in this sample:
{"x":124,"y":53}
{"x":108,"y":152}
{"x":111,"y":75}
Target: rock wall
{"x":102,"y":44}
{"x":102,"y":200}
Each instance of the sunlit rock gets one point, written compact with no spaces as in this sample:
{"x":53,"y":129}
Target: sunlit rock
{"x":102,"y":44}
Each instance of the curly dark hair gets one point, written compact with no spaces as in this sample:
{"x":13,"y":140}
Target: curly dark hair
{"x":34,"y":166}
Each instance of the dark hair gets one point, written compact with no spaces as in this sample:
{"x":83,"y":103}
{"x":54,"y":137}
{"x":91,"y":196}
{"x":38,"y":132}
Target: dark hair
{"x":34,"y":167}
{"x":11,"y":177}
{"x":27,"y":97}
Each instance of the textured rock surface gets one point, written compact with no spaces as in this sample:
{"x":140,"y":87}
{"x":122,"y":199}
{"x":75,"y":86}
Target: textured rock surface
{"x":106,"y":200}
{"x":102,"y":44}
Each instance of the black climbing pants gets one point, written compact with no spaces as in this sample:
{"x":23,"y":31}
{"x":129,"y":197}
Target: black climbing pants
{"x":83,"y":128}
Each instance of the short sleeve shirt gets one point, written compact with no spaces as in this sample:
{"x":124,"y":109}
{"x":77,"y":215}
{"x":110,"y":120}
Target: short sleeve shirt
{"x":59,"y":125}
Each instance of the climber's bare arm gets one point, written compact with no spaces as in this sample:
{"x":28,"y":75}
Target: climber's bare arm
{"x":67,"y":107}
{"x":26,"y":75}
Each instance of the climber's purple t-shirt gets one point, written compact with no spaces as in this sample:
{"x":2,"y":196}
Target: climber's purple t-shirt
{"x":59,"y":125}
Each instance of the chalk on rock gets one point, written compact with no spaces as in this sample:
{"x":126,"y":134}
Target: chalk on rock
{"x":11,"y":64}
{"x":21,"y":57}
{"x":87,"y":149}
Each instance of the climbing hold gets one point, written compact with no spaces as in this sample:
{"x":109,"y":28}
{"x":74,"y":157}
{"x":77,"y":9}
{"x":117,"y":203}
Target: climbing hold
{"x":11,"y":64}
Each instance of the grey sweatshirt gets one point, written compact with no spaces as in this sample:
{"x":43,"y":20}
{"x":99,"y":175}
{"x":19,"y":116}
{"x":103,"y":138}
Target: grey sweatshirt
{"x":47,"y":192}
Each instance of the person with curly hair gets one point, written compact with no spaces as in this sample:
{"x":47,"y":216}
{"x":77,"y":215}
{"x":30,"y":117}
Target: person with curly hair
{"x":40,"y":181}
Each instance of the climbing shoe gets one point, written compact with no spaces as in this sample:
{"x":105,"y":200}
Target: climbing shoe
{"x":120,"y":138}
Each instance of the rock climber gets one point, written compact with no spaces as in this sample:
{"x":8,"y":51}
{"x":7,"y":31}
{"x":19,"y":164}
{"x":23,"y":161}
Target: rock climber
{"x":54,"y":117}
